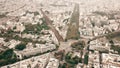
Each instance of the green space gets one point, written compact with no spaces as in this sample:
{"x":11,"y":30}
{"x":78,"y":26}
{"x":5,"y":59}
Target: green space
{"x":115,"y":48}
{"x":35,"y":29}
{"x":66,"y":65}
{"x":35,"y":13}
{"x":16,"y":37}
{"x":20,"y":46}
{"x":114,"y":35}
{"x":86,"y":59}
{"x":100,"y":13}
{"x":110,"y":15}
{"x":7,"y":57}
{"x":72,"y":60}
{"x":2,"y":15}
{"x":78,"y":45}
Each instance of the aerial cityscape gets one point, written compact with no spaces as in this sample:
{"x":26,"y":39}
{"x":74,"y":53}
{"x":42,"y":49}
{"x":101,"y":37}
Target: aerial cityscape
{"x":59,"y":33}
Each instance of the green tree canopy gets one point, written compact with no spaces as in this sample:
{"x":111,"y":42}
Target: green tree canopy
{"x":8,"y":54}
{"x":20,"y":46}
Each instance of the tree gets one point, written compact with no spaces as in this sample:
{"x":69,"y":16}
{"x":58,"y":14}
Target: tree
{"x":72,"y":60}
{"x":36,"y":13}
{"x":8,"y":54}
{"x":78,"y":45}
{"x":14,"y":27}
{"x":7,"y":57}
{"x":20,"y":46}
{"x":86,"y":59}
{"x":64,"y":65}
